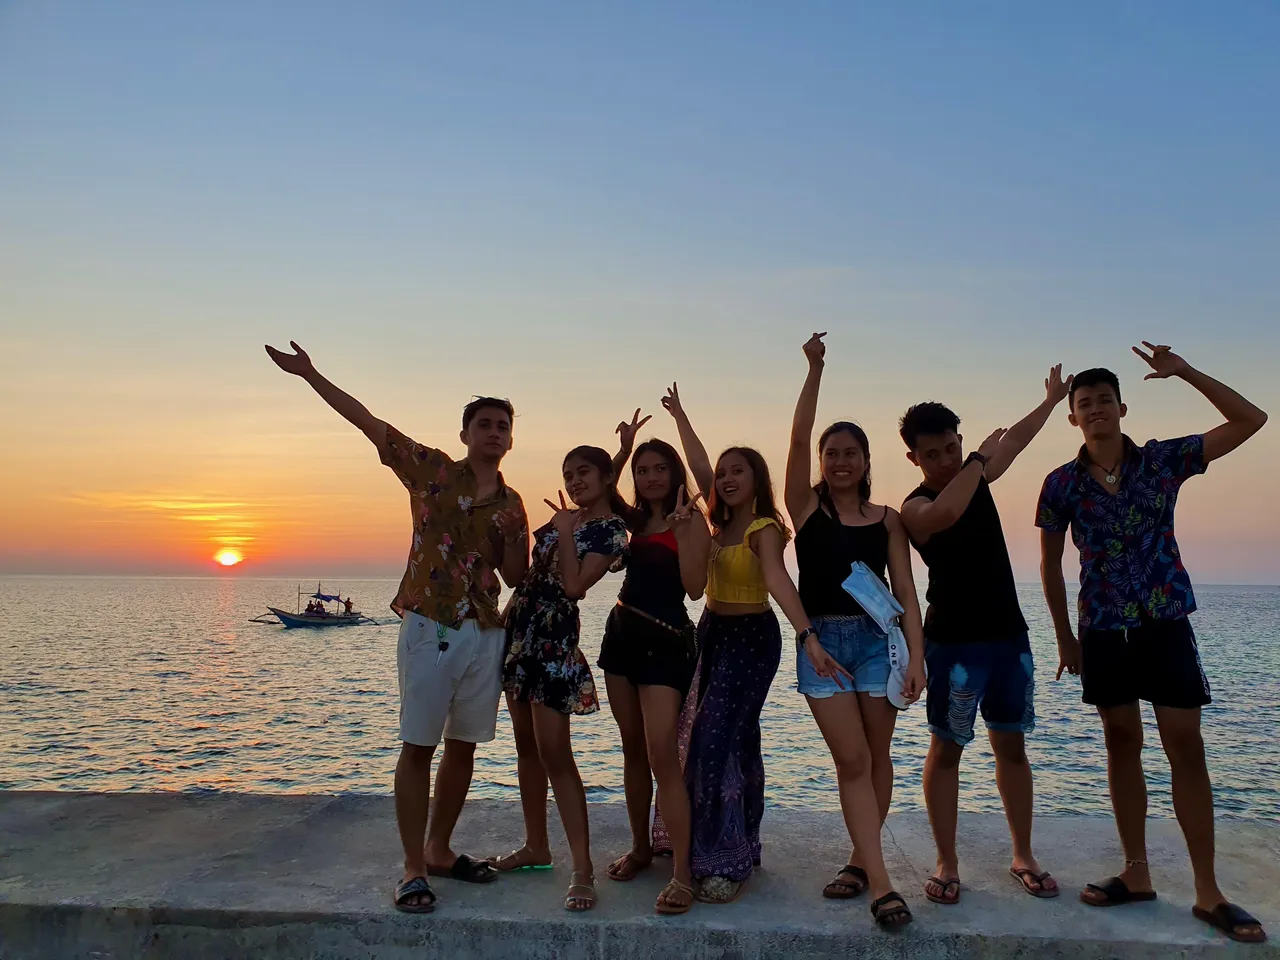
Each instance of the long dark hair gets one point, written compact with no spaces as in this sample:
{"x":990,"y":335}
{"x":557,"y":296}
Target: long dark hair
{"x":675,"y":466}
{"x":764,"y":506}
{"x":601,"y":460}
{"x":822,"y":489}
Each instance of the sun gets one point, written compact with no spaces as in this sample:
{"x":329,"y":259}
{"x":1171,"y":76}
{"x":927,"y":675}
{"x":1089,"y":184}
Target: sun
{"x":228,"y":558}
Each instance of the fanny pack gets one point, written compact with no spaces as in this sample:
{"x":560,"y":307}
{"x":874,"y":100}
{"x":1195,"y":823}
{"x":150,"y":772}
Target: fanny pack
{"x":883,"y":607}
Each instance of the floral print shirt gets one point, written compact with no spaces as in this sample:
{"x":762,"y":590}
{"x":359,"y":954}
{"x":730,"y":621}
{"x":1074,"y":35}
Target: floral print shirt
{"x":1130,"y":567}
{"x":451,"y":575}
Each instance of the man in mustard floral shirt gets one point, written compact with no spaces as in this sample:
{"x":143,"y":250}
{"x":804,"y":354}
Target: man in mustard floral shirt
{"x":468,"y":527}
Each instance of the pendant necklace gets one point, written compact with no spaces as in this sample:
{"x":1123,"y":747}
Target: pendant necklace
{"x":1111,"y":475}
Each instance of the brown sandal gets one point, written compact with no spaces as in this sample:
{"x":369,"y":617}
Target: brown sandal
{"x":627,"y":862}
{"x":849,"y":883}
{"x":666,"y":906}
{"x":946,"y":899}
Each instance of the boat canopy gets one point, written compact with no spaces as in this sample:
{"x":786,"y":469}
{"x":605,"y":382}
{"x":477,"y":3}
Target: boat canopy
{"x":325,"y":596}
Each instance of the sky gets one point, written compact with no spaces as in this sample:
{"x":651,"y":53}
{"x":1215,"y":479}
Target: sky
{"x":573,"y":206}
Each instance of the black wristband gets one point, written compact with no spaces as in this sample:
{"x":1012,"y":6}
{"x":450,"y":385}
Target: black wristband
{"x":805,"y":634}
{"x":975,"y":457}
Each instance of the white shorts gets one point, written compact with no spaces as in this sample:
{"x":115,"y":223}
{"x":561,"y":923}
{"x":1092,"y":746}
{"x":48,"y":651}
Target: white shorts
{"x":451,"y":693}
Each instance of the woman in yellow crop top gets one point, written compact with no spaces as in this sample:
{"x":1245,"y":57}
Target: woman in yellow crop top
{"x":741,"y":646}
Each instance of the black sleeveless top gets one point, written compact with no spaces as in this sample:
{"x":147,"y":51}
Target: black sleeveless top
{"x":653,"y":582}
{"x":826,"y":550}
{"x":972,"y":596}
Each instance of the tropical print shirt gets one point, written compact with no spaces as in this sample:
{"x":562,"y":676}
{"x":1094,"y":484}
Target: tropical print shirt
{"x":1130,"y":567}
{"x":451,"y":575}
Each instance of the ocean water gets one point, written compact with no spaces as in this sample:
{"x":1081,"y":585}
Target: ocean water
{"x":161,"y":684}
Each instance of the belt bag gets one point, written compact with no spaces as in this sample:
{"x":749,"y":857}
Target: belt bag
{"x":883,"y":607}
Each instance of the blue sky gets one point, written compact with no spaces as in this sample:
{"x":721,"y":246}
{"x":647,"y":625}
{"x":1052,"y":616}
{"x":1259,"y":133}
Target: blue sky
{"x":574,"y":205}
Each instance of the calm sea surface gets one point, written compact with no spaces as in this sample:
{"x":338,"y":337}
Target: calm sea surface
{"x":161,"y":684}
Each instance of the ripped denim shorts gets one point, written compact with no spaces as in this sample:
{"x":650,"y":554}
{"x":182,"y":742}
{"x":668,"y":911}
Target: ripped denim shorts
{"x":996,"y":676}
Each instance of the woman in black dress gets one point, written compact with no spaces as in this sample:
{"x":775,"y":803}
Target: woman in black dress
{"x":546,"y":676}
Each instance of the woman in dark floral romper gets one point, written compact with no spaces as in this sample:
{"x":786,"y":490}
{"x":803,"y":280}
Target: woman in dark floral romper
{"x":546,"y":676}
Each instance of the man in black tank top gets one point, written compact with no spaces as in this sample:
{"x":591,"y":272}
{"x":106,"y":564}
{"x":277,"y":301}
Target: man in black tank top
{"x":976,"y":646}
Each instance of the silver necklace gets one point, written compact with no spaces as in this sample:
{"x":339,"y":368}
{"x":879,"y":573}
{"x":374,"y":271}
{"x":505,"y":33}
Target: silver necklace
{"x":1111,"y":474}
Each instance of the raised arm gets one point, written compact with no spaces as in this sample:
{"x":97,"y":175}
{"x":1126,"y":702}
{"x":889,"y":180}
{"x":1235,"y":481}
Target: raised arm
{"x":694,"y":451}
{"x":1017,"y":437}
{"x":799,"y":496}
{"x":924,"y":517}
{"x":693,"y":540}
{"x":1243,"y":418}
{"x":1052,"y":544}
{"x":351,"y":409}
{"x":627,"y":440}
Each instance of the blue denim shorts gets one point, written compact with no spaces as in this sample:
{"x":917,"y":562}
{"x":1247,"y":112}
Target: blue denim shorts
{"x":857,"y":644}
{"x":997,"y":676}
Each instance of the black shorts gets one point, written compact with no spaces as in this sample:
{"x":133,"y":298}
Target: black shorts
{"x":647,"y":652}
{"x":1157,"y":662}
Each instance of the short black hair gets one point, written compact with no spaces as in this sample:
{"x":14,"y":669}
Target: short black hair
{"x":1093,"y":377}
{"x":479,"y":403}
{"x":925,"y":419}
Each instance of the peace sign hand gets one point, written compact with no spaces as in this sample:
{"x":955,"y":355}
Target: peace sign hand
{"x":671,"y":402}
{"x":564,"y":516}
{"x":628,"y":431}
{"x":815,"y":349}
{"x":1162,"y":361}
{"x":823,"y":663}
{"x":1055,"y":388}
{"x":297,"y":363}
{"x":680,"y":518}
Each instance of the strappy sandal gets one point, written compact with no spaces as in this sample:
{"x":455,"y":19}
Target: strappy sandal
{"x":589,"y":897}
{"x":467,"y":869}
{"x":630,"y":861}
{"x":511,"y":862}
{"x":1027,"y":877}
{"x":842,"y":889}
{"x":1229,"y":918}
{"x":890,"y":917}
{"x":946,"y":899}
{"x":415,"y":887}
{"x":666,"y":906}
{"x":1116,"y":892}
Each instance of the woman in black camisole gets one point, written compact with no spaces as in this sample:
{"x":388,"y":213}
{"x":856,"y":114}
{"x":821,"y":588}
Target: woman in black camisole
{"x":649,"y":654}
{"x":844,"y":670}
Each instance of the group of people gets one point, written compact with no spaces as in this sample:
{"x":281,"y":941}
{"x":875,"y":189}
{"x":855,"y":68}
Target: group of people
{"x":687,"y":698}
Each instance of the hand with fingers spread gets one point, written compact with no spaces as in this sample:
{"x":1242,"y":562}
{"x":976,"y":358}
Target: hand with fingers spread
{"x":815,"y":350}
{"x":824,"y":664}
{"x":682,"y":516}
{"x":565,"y":516}
{"x":671,"y":402}
{"x":992,"y":443}
{"x":1055,"y":388}
{"x":915,"y":680}
{"x":628,"y":431}
{"x":297,"y":363}
{"x":510,"y":524}
{"x":1162,"y":361}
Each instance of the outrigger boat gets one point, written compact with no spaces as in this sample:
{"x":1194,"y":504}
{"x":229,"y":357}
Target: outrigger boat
{"x":317,"y":613}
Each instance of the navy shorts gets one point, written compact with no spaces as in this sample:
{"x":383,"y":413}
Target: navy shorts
{"x":996,"y":676}
{"x":1158,"y":662}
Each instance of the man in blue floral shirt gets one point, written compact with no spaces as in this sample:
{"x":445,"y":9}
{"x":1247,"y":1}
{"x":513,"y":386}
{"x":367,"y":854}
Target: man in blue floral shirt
{"x":1135,"y":642}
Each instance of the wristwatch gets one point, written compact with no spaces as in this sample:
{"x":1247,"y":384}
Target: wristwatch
{"x":975,"y":457}
{"x":805,"y":634}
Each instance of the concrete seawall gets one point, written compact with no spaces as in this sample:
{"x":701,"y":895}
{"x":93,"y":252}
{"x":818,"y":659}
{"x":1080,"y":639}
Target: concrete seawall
{"x":201,"y":877}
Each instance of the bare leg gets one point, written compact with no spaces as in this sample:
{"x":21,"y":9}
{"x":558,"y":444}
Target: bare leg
{"x":413,"y":797}
{"x":841,"y":725}
{"x":1013,"y":778}
{"x":942,"y":798}
{"x":453,"y":780}
{"x":551,"y":729}
{"x":624,"y":701}
{"x":533,"y":791}
{"x":1122,"y":727}
{"x":661,"y":718}
{"x":878,"y":720}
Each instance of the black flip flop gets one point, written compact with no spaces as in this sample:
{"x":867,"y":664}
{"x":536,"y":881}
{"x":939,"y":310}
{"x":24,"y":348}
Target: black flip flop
{"x":845,"y":889}
{"x":891,"y":917}
{"x":468,"y":870}
{"x":1117,"y":893}
{"x":416,"y":887}
{"x":1227,"y":917}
